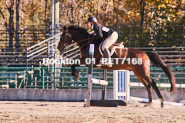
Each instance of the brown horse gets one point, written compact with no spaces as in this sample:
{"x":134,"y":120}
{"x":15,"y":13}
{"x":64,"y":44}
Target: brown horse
{"x":141,"y":68}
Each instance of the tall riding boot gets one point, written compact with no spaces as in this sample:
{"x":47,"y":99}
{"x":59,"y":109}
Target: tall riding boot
{"x":107,"y":55}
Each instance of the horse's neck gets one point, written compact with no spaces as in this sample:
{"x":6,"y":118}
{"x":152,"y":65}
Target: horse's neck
{"x":84,"y":46}
{"x":82,"y":42}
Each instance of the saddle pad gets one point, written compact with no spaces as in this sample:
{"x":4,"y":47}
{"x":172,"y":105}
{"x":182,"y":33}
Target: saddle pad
{"x":112,"y":50}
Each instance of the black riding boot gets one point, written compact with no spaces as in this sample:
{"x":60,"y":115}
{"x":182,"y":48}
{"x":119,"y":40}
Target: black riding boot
{"x":107,"y":55}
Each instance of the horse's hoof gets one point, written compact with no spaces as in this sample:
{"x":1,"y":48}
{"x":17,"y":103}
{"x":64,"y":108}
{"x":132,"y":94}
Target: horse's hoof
{"x":149,"y":105}
{"x":76,"y":78}
{"x":77,"y":75}
{"x":146,"y":105}
{"x":162,"y":105}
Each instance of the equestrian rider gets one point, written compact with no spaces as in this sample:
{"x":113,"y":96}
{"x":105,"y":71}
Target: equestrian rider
{"x":108,"y":35}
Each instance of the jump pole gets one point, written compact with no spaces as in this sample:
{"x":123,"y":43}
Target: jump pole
{"x":103,"y":102}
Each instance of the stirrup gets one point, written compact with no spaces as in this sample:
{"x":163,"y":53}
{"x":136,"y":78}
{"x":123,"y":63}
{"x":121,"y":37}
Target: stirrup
{"x":107,"y":63}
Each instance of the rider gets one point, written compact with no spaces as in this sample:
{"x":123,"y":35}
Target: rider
{"x":109,"y":36}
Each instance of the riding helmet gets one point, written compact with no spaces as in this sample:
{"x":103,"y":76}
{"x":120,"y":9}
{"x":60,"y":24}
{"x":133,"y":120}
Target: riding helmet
{"x":92,"y":19}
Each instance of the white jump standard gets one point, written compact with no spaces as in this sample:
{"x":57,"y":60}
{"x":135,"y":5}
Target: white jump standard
{"x":122,"y":86}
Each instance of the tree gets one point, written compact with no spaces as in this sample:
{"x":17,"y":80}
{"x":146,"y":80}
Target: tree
{"x":9,"y":27}
{"x":17,"y":25}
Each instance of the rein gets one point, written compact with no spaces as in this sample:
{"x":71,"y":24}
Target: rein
{"x":86,"y":43}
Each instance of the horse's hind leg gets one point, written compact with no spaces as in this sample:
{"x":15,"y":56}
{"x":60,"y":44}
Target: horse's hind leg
{"x":152,"y":83}
{"x":148,"y":88}
{"x":157,"y":91}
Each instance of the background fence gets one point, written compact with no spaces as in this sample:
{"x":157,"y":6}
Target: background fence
{"x":167,"y":41}
{"x":152,"y":36}
{"x":132,"y":36}
{"x":44,"y":78}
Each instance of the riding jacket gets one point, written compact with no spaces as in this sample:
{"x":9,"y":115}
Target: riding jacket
{"x":101,"y":32}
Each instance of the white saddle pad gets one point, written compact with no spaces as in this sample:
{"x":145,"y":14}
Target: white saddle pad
{"x":112,"y":50}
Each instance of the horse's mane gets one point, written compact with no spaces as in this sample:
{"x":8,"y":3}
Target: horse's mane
{"x":98,"y":41}
{"x":77,"y":28}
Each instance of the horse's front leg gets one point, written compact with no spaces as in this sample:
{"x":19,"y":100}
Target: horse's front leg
{"x":73,"y":70}
{"x":75,"y":73}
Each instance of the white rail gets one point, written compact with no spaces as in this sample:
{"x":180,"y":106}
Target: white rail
{"x":44,"y":41}
{"x":45,"y":47}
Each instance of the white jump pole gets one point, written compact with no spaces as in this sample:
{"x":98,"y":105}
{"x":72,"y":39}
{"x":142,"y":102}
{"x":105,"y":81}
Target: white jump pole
{"x":100,"y":82}
{"x":134,"y":84}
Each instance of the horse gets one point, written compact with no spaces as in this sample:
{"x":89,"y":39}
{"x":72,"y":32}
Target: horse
{"x":141,"y":71}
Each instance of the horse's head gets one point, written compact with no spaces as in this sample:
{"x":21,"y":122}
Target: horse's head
{"x":73,"y":33}
{"x":65,"y":39}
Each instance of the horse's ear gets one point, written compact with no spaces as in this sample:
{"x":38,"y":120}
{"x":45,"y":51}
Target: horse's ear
{"x":65,"y":27}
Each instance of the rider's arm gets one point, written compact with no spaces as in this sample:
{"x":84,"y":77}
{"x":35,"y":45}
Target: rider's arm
{"x":98,"y":30}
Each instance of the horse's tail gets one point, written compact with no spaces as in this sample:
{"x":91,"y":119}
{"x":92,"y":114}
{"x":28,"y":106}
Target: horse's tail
{"x":157,"y":61}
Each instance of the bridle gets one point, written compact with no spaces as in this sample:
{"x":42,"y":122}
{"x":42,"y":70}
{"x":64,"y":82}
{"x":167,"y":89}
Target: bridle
{"x":66,"y":44}
{"x":65,"y":38}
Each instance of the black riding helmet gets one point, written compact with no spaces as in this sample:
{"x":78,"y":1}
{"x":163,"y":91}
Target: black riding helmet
{"x":92,"y":19}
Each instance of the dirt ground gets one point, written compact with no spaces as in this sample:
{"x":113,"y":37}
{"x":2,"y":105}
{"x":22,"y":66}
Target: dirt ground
{"x":74,"y":112}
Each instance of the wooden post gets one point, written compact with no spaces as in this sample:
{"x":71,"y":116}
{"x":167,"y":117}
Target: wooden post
{"x":42,"y":78}
{"x":89,"y":85}
{"x":35,"y":82}
{"x":104,"y":87}
{"x":16,"y":80}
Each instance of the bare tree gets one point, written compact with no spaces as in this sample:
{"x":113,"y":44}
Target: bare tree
{"x":17,"y":25}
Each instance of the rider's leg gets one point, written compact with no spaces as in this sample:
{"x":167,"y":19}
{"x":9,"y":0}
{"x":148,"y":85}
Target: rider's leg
{"x":107,"y":55}
{"x":107,"y":43}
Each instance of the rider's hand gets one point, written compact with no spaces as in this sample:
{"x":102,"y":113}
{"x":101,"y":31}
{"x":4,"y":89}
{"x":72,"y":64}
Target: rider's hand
{"x":93,"y":36}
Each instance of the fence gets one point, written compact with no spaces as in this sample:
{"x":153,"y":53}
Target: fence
{"x":152,"y":36}
{"x":40,"y":78}
{"x":167,"y":41}
{"x":133,"y":36}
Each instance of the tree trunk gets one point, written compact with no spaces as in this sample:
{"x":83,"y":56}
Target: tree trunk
{"x":11,"y":26}
{"x":142,"y":10}
{"x":17,"y":26}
